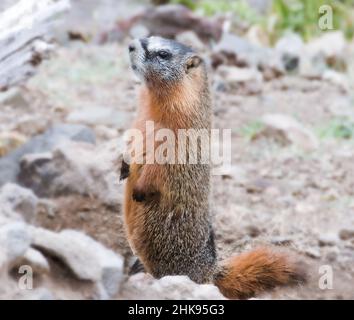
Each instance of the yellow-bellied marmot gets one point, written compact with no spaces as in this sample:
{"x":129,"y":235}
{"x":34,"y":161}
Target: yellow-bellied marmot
{"x":167,"y":214}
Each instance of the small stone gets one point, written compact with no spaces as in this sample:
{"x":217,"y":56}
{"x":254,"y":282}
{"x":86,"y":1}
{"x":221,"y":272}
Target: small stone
{"x":144,"y":286}
{"x":312,"y":253}
{"x":338,"y":79}
{"x":332,"y":256}
{"x":78,"y":168}
{"x":258,"y":185}
{"x":281,"y":241}
{"x":36,"y":260}
{"x":139,"y":31}
{"x":36,"y":294}
{"x":253,"y":231}
{"x":237,"y":51}
{"x":10,"y":164}
{"x":47,"y":207}
{"x":242,"y":80}
{"x":100,"y":116}
{"x":15,"y":240}
{"x":290,"y":130}
{"x":12,"y":97}
{"x":328,"y":240}
{"x":331,"y":45}
{"x":10,"y":141}
{"x":320,"y":53}
{"x":291,"y":49}
{"x":20,"y":200}
{"x":234,"y":172}
{"x":191,"y":39}
{"x":346,"y":234}
{"x":106,"y":133}
{"x":87,"y":258}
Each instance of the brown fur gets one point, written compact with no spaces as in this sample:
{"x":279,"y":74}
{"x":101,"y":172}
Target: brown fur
{"x":252,"y":273}
{"x":150,"y":178}
{"x":167,"y":214}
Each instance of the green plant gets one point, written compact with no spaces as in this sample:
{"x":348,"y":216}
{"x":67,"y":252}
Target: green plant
{"x":240,"y":8}
{"x":191,"y":4}
{"x":252,"y":129}
{"x":341,"y":128}
{"x":302,"y":16}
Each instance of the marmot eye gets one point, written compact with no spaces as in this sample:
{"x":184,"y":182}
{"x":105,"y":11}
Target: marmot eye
{"x":163,"y":54}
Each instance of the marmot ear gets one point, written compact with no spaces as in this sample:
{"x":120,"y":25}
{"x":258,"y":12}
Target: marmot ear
{"x":193,"y":62}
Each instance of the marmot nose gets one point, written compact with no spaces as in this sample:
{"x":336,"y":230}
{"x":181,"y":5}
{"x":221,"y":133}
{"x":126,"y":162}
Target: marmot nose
{"x":131,"y":47}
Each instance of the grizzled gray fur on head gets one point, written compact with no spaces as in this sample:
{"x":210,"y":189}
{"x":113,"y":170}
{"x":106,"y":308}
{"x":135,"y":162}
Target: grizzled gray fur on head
{"x":161,"y":61}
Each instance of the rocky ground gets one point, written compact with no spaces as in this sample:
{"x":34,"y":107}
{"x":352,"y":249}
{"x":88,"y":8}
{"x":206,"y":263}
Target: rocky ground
{"x":291,"y":183}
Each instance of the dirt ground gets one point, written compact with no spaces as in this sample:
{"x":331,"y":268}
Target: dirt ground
{"x":277,"y":194}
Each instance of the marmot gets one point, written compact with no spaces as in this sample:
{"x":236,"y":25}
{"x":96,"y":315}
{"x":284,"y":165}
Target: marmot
{"x":167,"y":215}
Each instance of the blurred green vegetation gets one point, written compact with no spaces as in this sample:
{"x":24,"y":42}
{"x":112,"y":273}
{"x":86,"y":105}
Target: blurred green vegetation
{"x":300,"y":16}
{"x":340,"y":128}
{"x":241,"y":8}
{"x":251,"y":130}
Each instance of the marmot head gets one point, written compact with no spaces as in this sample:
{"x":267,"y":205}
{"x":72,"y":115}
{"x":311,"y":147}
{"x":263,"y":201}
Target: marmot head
{"x":161,"y":63}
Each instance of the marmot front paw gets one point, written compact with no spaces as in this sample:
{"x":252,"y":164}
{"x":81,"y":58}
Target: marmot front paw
{"x":124,"y":171}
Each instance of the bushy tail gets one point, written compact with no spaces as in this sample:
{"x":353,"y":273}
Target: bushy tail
{"x":252,"y":273}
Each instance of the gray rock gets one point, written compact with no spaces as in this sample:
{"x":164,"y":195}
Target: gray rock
{"x":242,"y":53}
{"x":281,"y":241}
{"x":171,"y":19}
{"x":3,"y":261}
{"x":12,"y":97}
{"x":20,"y":200}
{"x":241,"y":80}
{"x":143,"y":286}
{"x":243,"y":50}
{"x":9,"y":165}
{"x":36,"y":260}
{"x":288,"y":130}
{"x":139,"y":31}
{"x":253,"y":231}
{"x":346,"y":234}
{"x":15,"y":240}
{"x":191,"y":39}
{"x":7,"y":215}
{"x":100,"y":116}
{"x":339,"y":79}
{"x":8,"y":287}
{"x":36,"y":294}
{"x":323,"y":52}
{"x":291,"y":48}
{"x":75,"y":168}
{"x":87,"y":258}
{"x":328,"y":239}
{"x":331,"y":45}
{"x":313,"y":253}
{"x":332,"y":256}
{"x":312,"y":67}
{"x":47,"y":207}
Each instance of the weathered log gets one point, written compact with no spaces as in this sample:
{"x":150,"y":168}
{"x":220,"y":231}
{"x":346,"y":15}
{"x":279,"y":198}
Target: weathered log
{"x":25,"y":38}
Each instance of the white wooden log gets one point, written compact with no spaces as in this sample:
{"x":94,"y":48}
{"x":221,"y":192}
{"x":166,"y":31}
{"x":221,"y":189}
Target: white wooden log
{"x":25,"y":38}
